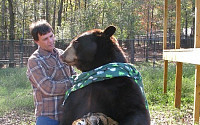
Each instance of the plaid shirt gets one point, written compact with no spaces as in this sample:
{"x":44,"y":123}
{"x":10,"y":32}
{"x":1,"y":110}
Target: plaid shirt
{"x":49,"y":78}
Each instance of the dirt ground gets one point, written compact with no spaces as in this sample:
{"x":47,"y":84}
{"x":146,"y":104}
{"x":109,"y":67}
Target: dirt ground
{"x":163,"y":116}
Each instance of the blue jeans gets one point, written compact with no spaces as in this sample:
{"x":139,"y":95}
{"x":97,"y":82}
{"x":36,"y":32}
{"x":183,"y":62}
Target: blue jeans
{"x":44,"y":120}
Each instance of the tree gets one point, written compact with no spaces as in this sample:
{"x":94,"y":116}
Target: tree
{"x":35,"y":10}
{"x":60,"y":13}
{"x":54,"y":16}
{"x":2,"y":35}
{"x":71,"y":17}
{"x":11,"y":30}
{"x":12,"y":21}
{"x":47,"y":11}
{"x":3,"y":20}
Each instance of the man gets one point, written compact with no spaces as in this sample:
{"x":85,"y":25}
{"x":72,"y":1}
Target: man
{"x":48,"y":75}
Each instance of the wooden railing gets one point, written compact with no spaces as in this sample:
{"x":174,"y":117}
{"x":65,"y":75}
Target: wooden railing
{"x":181,"y":56}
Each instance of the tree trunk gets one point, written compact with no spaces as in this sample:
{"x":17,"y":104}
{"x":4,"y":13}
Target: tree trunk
{"x":71,"y":21}
{"x":54,"y":16}
{"x":40,"y":8}
{"x":85,"y":4}
{"x":151,"y":35}
{"x":2,"y":37}
{"x":11,"y":30}
{"x":147,"y":33}
{"x":2,"y":20}
{"x":193,"y":19}
{"x":12,"y":21}
{"x":66,"y":10}
{"x":47,"y":11}
{"x":60,"y":13}
{"x":103,"y":14}
{"x":35,"y":10}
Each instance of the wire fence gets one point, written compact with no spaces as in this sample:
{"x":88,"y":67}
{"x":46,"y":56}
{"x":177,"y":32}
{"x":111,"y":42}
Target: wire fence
{"x":16,"y":52}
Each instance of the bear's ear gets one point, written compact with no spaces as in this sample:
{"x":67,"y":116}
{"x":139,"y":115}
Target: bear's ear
{"x":109,"y":31}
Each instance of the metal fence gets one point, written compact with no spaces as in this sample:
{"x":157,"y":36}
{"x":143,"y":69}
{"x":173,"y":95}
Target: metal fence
{"x":143,"y":49}
{"x":16,"y":52}
{"x":139,"y":50}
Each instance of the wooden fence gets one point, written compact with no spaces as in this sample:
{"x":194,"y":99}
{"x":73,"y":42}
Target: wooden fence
{"x":181,"y":56}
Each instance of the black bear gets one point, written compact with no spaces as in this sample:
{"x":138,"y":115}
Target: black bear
{"x":108,"y":85}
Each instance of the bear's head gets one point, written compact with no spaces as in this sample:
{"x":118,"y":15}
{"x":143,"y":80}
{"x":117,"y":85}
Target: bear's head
{"x":92,"y":49}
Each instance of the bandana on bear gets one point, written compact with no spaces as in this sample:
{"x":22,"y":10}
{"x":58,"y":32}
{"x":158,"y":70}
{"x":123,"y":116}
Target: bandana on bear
{"x":104,"y":72}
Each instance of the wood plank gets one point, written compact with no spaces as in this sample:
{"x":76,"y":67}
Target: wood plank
{"x":165,"y":75}
{"x":197,"y":70}
{"x":165,"y":45}
{"x":196,"y":95}
{"x":178,"y":24}
{"x":197,"y":24}
{"x":165,"y":25}
{"x":191,"y":56}
{"x":178,"y":84}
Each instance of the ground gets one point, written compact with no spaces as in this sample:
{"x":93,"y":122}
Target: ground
{"x":159,"y":116}
{"x":18,"y":118}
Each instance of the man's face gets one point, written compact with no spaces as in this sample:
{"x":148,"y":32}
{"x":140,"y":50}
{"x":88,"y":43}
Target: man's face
{"x":46,"y":42}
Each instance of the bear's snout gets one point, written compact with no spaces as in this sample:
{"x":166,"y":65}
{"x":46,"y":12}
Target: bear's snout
{"x":69,"y":56}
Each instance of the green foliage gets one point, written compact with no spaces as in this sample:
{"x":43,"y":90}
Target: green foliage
{"x":129,"y":16}
{"x":77,"y":16}
{"x":100,"y":14}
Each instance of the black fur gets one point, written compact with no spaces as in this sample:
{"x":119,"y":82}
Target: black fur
{"x":119,"y":98}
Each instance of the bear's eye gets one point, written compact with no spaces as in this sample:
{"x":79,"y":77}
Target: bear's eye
{"x":75,"y":44}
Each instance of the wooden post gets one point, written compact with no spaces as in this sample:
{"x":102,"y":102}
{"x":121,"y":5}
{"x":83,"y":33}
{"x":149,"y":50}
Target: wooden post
{"x":197,"y":95}
{"x":165,"y":25}
{"x":178,"y":84}
{"x":178,"y":24}
{"x":197,"y":24}
{"x":165,"y":75}
{"x":197,"y":70}
{"x":184,"y":55}
{"x":165,"y":45}
{"x":179,"y":65}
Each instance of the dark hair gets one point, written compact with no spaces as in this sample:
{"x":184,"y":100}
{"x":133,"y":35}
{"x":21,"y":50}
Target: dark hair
{"x":41,"y":27}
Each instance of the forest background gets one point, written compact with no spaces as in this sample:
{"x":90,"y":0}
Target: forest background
{"x":71,"y":17}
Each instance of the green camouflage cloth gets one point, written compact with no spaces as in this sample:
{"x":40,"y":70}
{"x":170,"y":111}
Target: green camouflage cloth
{"x":104,"y":72}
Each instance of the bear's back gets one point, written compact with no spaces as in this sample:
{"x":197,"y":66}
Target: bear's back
{"x":116,"y":98}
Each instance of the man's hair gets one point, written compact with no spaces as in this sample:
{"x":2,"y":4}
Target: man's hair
{"x":41,"y":27}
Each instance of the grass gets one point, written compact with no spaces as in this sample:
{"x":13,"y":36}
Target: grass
{"x":153,"y":83}
{"x":162,"y":105}
{"x":16,"y":91}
